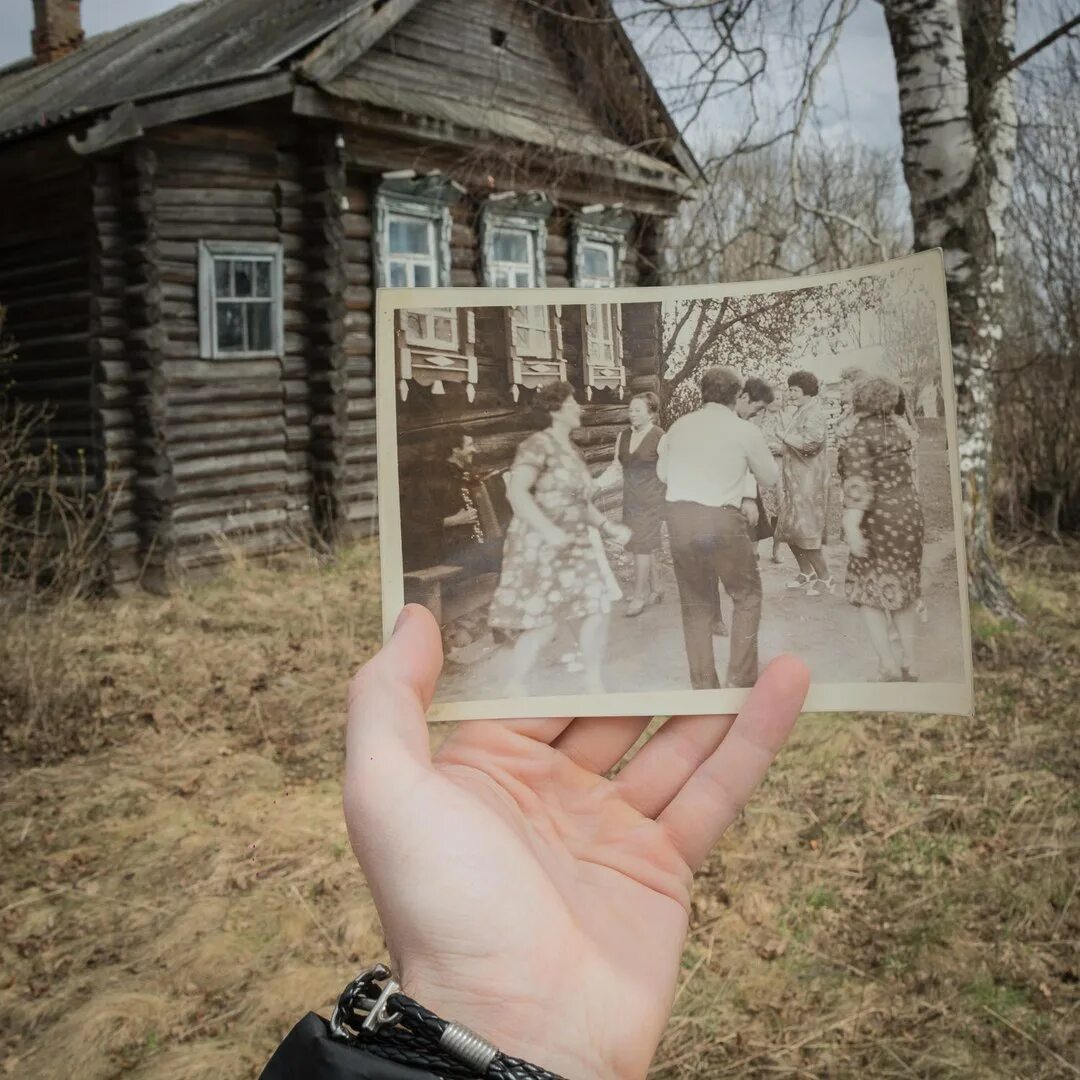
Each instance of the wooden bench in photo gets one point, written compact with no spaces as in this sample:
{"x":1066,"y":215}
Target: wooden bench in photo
{"x":425,"y":586}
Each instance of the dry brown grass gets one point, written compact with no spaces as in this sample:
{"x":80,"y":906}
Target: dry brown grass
{"x":900,"y":901}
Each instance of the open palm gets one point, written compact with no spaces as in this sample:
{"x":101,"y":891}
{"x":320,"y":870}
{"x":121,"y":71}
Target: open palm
{"x":524,"y":893}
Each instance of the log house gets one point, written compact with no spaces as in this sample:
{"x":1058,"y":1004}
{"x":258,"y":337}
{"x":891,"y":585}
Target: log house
{"x":196,"y":209}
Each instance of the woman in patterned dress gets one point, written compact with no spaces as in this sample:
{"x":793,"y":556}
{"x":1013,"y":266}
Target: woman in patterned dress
{"x":805,"y":478}
{"x":553,"y":571}
{"x":636,"y":451}
{"x":883,"y":526}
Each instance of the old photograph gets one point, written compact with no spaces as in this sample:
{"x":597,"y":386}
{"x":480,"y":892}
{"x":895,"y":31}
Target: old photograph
{"x":631,"y":500}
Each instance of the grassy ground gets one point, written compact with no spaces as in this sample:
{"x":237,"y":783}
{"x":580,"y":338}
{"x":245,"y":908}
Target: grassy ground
{"x":900,"y":900}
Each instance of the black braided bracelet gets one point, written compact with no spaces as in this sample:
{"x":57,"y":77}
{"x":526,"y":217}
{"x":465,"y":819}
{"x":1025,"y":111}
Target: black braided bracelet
{"x":388,"y":1023}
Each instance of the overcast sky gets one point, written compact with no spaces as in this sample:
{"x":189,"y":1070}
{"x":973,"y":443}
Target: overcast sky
{"x":857,"y":92}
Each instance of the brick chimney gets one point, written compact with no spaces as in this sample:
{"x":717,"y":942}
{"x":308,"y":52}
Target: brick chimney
{"x":57,"y":29}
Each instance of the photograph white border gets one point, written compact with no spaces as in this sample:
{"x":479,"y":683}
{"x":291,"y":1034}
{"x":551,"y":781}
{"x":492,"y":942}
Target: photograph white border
{"x":956,"y":699}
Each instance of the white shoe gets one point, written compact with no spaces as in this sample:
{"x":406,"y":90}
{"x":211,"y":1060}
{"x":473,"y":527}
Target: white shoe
{"x":800,"y":581}
{"x":820,"y":585}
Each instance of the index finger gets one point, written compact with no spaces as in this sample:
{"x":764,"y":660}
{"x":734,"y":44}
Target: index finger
{"x":722,"y":784}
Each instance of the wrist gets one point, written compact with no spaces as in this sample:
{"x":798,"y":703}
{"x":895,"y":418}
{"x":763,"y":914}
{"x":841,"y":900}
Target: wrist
{"x":518,"y":1028}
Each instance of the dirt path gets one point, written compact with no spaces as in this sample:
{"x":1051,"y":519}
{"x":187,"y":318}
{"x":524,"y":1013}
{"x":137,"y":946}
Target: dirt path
{"x":646,"y":653}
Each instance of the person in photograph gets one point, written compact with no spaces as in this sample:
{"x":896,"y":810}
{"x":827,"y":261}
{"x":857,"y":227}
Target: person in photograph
{"x":706,"y":460}
{"x":637,"y":451}
{"x":905,"y":418}
{"x":438,"y":518}
{"x":754,"y":398}
{"x":847,"y":419}
{"x":805,"y":471}
{"x":883,"y":526}
{"x":772,"y":422}
{"x":554,"y":573}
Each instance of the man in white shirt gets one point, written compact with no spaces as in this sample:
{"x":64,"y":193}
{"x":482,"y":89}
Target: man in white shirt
{"x":709,"y":460}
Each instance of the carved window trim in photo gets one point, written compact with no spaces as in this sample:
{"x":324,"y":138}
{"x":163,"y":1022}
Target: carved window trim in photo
{"x":527,"y":214}
{"x":532,"y":363}
{"x":432,"y":358}
{"x":601,"y":349}
{"x":425,"y":199}
{"x":264,"y":290}
{"x":599,"y":227}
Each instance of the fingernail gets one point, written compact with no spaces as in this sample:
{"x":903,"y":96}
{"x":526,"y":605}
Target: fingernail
{"x":402,"y":619}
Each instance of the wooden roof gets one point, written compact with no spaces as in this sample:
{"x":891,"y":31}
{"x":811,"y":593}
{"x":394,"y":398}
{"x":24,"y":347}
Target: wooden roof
{"x":200,"y":57}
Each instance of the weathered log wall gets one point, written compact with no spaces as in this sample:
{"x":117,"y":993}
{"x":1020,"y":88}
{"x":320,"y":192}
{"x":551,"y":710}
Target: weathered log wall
{"x":224,"y":462}
{"x":361,"y":483}
{"x":45,"y":287}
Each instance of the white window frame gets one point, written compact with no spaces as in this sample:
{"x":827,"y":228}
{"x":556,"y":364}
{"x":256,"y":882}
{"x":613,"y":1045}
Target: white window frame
{"x":410,"y":259}
{"x":536,"y":320}
{"x":210,"y":252}
{"x":512,"y":269}
{"x":432,"y":208}
{"x":598,"y":227}
{"x":602,"y":319}
{"x":514,"y":213}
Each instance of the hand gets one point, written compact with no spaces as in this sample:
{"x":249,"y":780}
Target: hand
{"x":749,"y":510}
{"x":619,"y":533}
{"x":522,"y":892}
{"x":462,"y":517}
{"x":857,"y":543}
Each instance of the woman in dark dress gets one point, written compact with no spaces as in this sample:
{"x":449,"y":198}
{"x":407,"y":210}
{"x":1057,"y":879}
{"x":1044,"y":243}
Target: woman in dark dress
{"x":643,"y":497}
{"x":883,"y":526}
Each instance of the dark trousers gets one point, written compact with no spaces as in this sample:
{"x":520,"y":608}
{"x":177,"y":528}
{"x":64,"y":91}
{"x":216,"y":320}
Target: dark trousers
{"x":707,"y":543}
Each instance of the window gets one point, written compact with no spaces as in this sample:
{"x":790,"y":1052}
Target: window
{"x":603,"y":367}
{"x":434,"y":328}
{"x":513,"y":239}
{"x":412,"y":231}
{"x":599,"y":323}
{"x":531,"y":326}
{"x":598,"y":243}
{"x":513,"y":258}
{"x":411,"y":258}
{"x":240,"y":300}
{"x":597,"y":265}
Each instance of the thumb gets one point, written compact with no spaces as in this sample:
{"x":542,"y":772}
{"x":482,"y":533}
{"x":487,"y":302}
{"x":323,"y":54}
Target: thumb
{"x":386,"y":732}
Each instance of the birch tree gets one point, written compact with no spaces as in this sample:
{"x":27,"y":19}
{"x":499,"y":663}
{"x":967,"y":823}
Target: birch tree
{"x":955,"y":65}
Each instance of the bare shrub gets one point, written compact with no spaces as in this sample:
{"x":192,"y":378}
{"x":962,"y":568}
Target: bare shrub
{"x":54,"y":516}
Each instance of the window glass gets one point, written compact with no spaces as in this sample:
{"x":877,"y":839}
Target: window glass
{"x":512,"y":259}
{"x":597,"y":265}
{"x":409,"y":235}
{"x":230,"y":327}
{"x":532,"y":330}
{"x":410,"y":246}
{"x":433,"y":328}
{"x":511,"y":246}
{"x":259,"y":334}
{"x":243,"y":278}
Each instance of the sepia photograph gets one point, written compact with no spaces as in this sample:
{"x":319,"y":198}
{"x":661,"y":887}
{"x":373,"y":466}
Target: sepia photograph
{"x":634,"y":503}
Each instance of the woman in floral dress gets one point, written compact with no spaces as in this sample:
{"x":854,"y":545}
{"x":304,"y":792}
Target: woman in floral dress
{"x":883,"y":525}
{"x":553,"y":570}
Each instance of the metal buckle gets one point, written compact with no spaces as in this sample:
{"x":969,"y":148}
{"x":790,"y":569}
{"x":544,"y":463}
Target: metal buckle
{"x":365,"y":998}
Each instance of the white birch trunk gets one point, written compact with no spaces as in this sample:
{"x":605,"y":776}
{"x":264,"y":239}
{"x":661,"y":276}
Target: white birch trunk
{"x":958,"y":119}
